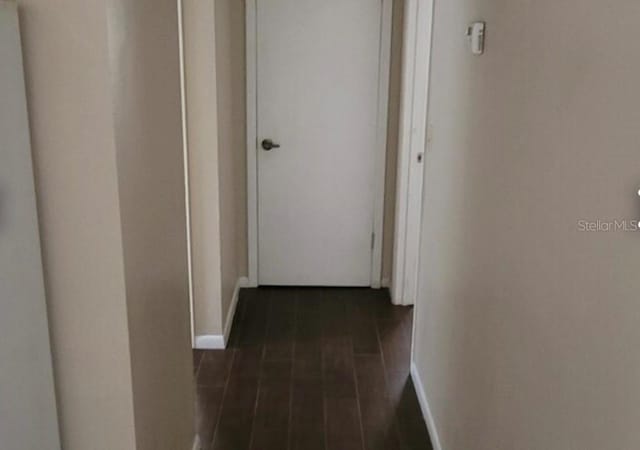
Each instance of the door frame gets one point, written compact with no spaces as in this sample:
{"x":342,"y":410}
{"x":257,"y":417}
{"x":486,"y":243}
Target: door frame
{"x":414,"y":138}
{"x":252,"y":140}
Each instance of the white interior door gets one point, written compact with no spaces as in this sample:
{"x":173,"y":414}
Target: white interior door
{"x":28,"y":417}
{"x":318,"y":66}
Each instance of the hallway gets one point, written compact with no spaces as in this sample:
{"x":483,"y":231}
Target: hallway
{"x":311,"y":368}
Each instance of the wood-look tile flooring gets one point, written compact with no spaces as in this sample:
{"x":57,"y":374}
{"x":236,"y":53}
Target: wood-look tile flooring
{"x":311,"y":369}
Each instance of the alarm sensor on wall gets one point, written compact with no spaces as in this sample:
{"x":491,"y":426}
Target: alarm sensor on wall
{"x":475,"y":32}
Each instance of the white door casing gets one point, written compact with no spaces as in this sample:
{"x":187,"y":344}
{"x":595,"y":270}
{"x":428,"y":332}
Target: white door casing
{"x":412,"y":145}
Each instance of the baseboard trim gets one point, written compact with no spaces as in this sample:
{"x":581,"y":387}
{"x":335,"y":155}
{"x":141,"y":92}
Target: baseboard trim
{"x":209,"y":342}
{"x":196,"y":443}
{"x":426,"y":410}
{"x":219,"y":341}
{"x":241,"y":283}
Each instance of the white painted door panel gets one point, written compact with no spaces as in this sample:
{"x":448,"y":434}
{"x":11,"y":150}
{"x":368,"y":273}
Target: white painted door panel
{"x":28,"y":417}
{"x":317,"y":80}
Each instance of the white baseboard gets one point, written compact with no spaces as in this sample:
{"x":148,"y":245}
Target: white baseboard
{"x":219,"y":341}
{"x":426,"y":410}
{"x":241,"y":283}
{"x":209,"y":342}
{"x":196,"y":443}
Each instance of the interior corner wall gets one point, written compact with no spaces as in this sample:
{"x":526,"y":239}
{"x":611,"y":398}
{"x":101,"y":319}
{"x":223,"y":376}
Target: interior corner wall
{"x":146,"y":103}
{"x":202,"y":142}
{"x":214,"y":51}
{"x":68,"y":93}
{"x":527,"y":326}
{"x":232,"y":148}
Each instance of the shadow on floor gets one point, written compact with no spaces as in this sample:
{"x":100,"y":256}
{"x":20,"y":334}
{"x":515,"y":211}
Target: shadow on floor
{"x":311,"y":369}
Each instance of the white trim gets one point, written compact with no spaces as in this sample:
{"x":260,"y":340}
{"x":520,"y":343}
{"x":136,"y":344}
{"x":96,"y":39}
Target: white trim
{"x":241,"y":283}
{"x":411,"y":148}
{"x":219,"y":341}
{"x":424,"y":406}
{"x":381,"y":140}
{"x":209,"y":342}
{"x":252,"y":139}
{"x":196,"y":443}
{"x":185,"y":162}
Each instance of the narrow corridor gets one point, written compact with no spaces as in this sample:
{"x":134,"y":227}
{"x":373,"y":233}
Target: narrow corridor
{"x":311,"y":369}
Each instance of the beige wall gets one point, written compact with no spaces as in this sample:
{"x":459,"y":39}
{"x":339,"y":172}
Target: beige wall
{"x":148,"y":131}
{"x":216,"y":116}
{"x":216,"y":109}
{"x":204,"y":186}
{"x":527,"y":328}
{"x":67,"y":79}
{"x":28,"y":414}
{"x":232,"y":147}
{"x":96,"y":317}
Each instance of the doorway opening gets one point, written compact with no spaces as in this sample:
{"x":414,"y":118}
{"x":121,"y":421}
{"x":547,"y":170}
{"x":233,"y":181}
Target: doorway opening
{"x":318,"y":132}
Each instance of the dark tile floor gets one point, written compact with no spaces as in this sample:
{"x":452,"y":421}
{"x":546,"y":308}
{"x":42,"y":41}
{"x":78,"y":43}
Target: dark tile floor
{"x":311,"y":369}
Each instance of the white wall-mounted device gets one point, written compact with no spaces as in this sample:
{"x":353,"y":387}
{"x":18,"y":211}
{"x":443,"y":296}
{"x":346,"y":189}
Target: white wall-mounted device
{"x":475,"y":32}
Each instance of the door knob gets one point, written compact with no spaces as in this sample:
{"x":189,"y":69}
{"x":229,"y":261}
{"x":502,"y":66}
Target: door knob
{"x":268,"y":144}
